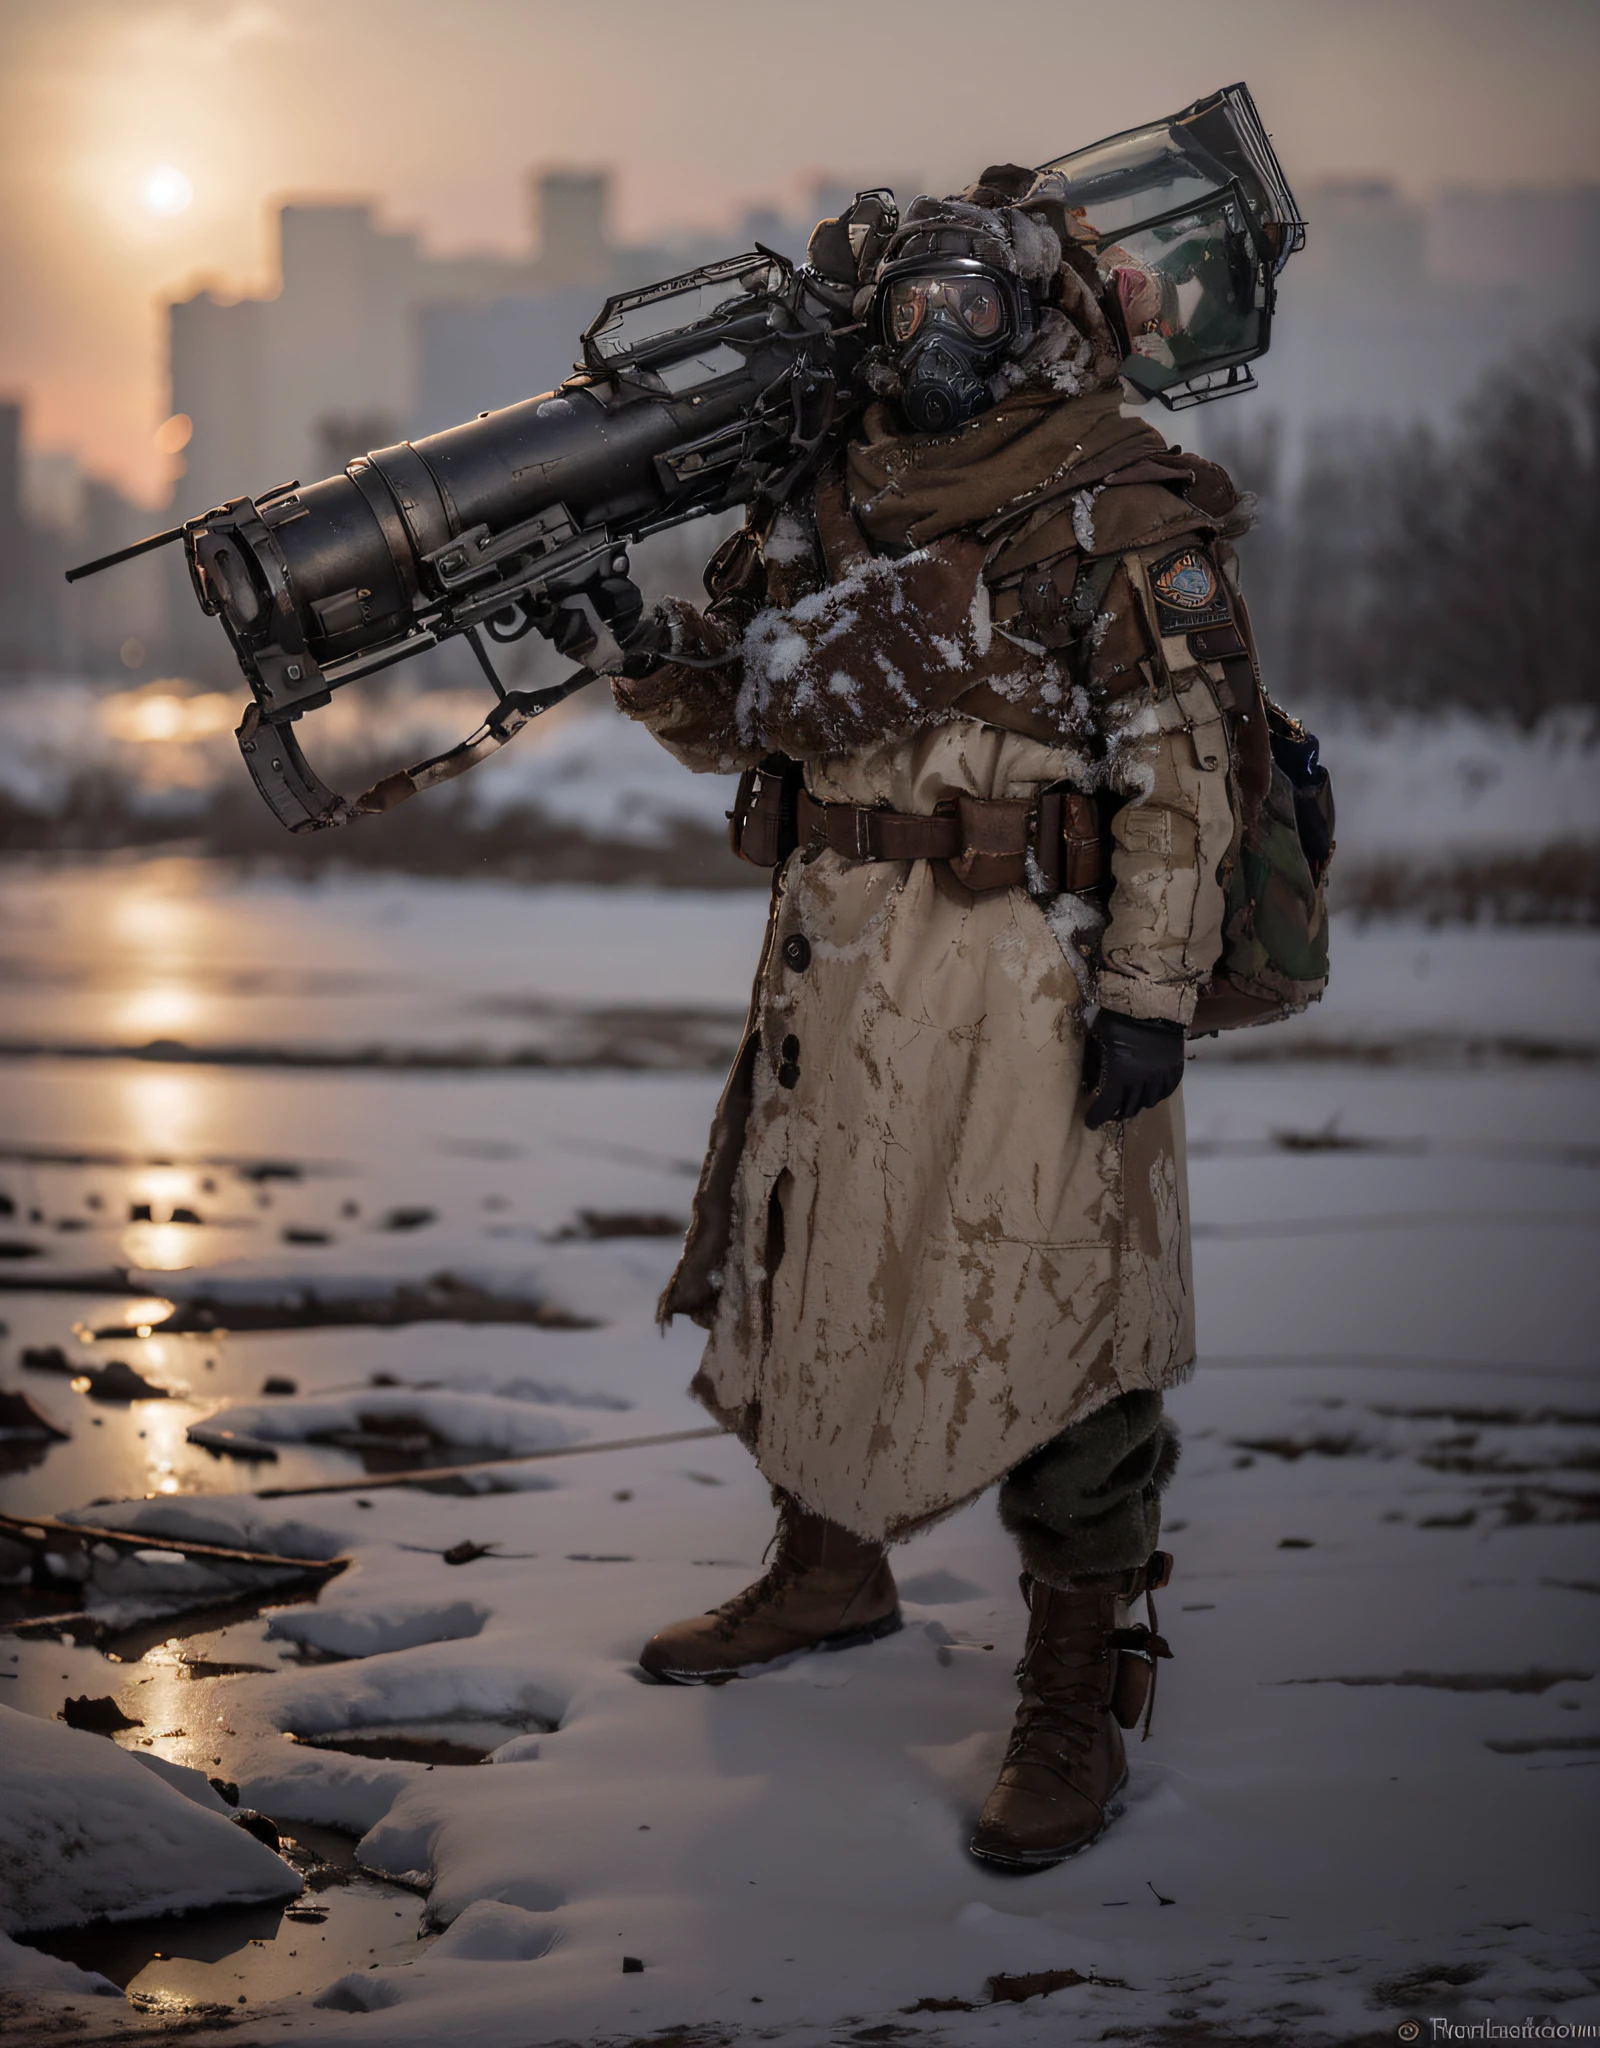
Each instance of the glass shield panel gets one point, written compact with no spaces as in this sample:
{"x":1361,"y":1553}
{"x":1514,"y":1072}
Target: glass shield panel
{"x":1136,"y":176}
{"x":634,"y":322}
{"x":703,"y":366}
{"x":1188,"y":288}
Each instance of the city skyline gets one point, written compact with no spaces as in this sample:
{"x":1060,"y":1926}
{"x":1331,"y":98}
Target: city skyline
{"x":145,"y":145}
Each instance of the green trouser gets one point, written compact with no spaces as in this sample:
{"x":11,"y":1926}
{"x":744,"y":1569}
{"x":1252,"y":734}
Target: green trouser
{"x":1088,"y":1503}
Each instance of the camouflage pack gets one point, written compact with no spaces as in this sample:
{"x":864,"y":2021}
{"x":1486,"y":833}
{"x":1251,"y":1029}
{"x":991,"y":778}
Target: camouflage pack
{"x":1274,"y":960}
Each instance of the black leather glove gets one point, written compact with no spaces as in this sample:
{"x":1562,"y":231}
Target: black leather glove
{"x":1129,"y":1064}
{"x":646,"y":643}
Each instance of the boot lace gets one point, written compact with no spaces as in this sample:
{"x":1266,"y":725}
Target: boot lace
{"x":1066,"y":1686}
{"x":766,"y":1591}
{"x":1062,"y":1685}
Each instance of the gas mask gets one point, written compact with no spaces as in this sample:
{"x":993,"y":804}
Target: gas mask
{"x":948,"y":322}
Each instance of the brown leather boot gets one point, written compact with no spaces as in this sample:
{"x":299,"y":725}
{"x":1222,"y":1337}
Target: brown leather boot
{"x":825,"y":1590}
{"x":1083,"y":1680}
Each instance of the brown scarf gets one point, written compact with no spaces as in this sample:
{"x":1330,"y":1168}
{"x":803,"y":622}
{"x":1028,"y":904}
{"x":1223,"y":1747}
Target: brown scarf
{"x":992,"y":474}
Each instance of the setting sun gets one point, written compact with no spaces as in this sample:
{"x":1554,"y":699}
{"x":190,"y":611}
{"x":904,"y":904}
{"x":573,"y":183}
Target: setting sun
{"x":166,"y":192}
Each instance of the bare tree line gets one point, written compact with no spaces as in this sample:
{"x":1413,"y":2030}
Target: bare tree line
{"x":1413,"y":568}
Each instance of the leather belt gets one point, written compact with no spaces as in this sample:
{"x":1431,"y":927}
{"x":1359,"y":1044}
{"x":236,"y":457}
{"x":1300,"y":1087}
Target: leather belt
{"x":1051,"y":842}
{"x":857,"y":833}
{"x":1046,"y":843}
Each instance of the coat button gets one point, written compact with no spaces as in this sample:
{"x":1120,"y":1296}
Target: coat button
{"x":789,"y":1051}
{"x":788,"y":1074}
{"x":797,"y":952}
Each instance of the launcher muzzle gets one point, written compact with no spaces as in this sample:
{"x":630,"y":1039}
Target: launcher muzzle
{"x":718,"y":388}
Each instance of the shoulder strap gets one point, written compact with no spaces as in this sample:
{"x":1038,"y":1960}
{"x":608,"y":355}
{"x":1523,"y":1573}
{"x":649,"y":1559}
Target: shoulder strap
{"x":1088,"y":596}
{"x":1246,"y":716}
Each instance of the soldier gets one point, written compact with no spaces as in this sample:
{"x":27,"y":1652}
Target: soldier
{"x":941,"y":1238}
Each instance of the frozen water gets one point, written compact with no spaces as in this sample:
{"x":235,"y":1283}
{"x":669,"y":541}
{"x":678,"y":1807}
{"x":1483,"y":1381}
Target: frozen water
{"x":1372,"y":1773}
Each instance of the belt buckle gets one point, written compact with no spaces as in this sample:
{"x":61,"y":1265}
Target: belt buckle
{"x":863,"y":833}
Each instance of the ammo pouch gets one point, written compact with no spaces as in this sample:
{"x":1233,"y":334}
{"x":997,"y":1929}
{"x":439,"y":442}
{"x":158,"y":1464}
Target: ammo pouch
{"x":1070,"y":844}
{"x":1046,"y":845}
{"x":761,"y":826}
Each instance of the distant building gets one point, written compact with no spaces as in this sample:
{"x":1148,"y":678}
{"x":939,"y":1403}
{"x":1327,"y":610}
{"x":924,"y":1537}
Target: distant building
{"x":1543,"y":245}
{"x":473,"y":359}
{"x":571,"y":228}
{"x":368,"y":337}
{"x":330,"y":365}
{"x":51,"y":515}
{"x":15,"y":634}
{"x":1395,"y":311}
{"x":476,"y":358}
{"x":325,"y":368}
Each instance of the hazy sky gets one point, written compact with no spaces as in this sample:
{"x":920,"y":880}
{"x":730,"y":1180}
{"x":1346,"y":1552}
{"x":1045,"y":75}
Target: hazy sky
{"x":438,"y":110}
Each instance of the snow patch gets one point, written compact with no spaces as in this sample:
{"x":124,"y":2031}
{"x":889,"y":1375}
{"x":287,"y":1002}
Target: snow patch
{"x":357,"y":1992}
{"x":192,"y":1784}
{"x":27,"y":1969}
{"x":788,"y":540}
{"x":1077,"y":922}
{"x":1083,"y":517}
{"x":464,"y":1421}
{"x":356,"y":1632}
{"x":87,"y":1834}
{"x":939,"y":1589}
{"x":490,"y":1931}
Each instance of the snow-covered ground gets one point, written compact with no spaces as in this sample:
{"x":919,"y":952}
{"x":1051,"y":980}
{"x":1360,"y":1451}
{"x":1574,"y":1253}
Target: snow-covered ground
{"x":186,"y":958}
{"x":1413,"y":789}
{"x":91,"y":1831}
{"x":1370,"y":1791}
{"x":1427,"y":785}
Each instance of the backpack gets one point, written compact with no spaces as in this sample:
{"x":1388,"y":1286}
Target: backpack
{"x":1274,"y":960}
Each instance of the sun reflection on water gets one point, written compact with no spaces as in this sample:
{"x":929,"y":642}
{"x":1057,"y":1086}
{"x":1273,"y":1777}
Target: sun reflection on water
{"x":165,"y":1426}
{"x":152,"y":921}
{"x":156,"y":715}
{"x":163,"y":1112}
{"x":139,"y":1317}
{"x":160,"y":1010}
{"x":159,"y":1247}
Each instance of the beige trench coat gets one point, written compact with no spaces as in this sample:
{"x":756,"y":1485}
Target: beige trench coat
{"x":915,"y":1263}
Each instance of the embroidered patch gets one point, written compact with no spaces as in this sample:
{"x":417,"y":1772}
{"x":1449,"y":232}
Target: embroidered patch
{"x":1188,"y":592}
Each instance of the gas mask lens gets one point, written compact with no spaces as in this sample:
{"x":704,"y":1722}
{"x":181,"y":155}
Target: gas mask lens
{"x":972,"y":304}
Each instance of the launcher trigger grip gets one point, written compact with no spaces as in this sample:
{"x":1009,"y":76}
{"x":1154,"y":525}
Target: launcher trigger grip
{"x":293,"y":791}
